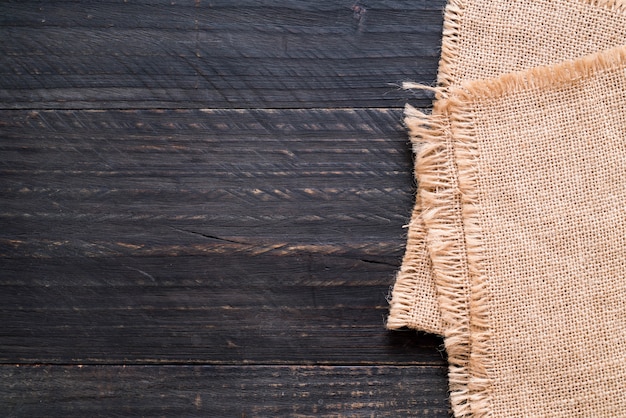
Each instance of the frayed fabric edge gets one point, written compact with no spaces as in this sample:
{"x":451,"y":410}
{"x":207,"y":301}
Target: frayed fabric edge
{"x":617,"y":5}
{"x":438,"y":195}
{"x":444,"y":229}
{"x":411,"y":282}
{"x":404,"y":294}
{"x":452,"y":24}
{"x":550,"y":77}
{"x":477,"y":304}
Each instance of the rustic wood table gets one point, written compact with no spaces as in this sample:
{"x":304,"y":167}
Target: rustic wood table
{"x":202,"y":207}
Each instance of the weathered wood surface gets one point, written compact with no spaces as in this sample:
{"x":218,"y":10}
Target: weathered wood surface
{"x":202,"y":208}
{"x":221,"y":391}
{"x":217,"y":54}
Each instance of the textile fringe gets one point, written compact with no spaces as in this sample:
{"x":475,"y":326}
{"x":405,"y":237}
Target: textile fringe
{"x":453,"y":17}
{"x":437,"y":192}
{"x":546,"y":77}
{"x":453,"y":24}
{"x":466,"y":155}
{"x":409,"y":291}
{"x":402,"y":305}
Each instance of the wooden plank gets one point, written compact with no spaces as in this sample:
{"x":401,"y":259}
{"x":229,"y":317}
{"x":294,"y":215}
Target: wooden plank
{"x":212,"y":236}
{"x":296,"y":14}
{"x":276,"y":55}
{"x":381,"y":391}
{"x":212,"y":310}
{"x":166,"y":183}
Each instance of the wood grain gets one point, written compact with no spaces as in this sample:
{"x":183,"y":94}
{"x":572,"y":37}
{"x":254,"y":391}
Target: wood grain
{"x":199,"y":246}
{"x":273,"y":54}
{"x":194,"y":182}
{"x":202,"y":207}
{"x":225,"y":391}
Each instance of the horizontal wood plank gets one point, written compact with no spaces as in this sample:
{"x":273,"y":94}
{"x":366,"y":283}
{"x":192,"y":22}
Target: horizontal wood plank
{"x":214,"y":309}
{"x":189,"y":182}
{"x":248,"y":391}
{"x":210,"y":236}
{"x":216,"y":54}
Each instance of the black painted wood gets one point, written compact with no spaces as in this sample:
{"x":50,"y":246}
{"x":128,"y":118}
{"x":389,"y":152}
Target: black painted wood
{"x":202,"y":208}
{"x":238,"y":249}
{"x":173,"y":54}
{"x":222,"y":391}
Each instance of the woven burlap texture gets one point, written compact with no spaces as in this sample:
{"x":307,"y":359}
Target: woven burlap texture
{"x":481,"y":39}
{"x":541,"y":160}
{"x":484,"y":39}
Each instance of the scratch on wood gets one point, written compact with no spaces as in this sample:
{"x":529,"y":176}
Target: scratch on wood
{"x":209,"y":236}
{"x":143,"y":273}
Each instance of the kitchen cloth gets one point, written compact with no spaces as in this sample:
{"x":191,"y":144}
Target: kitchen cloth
{"x":540,"y":160}
{"x":481,"y":39}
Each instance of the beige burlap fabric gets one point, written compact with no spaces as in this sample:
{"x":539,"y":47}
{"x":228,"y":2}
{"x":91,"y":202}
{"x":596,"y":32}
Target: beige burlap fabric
{"x":414,"y":296}
{"x":413,"y":302}
{"x":541,"y":159}
{"x":484,"y":39}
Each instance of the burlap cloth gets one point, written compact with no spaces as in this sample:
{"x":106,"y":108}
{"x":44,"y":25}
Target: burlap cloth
{"x":484,"y":39}
{"x":541,"y":160}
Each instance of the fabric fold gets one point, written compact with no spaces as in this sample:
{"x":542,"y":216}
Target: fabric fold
{"x":482,"y":40}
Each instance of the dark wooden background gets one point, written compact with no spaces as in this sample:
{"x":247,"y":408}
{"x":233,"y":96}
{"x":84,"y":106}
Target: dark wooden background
{"x":202,"y":207}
